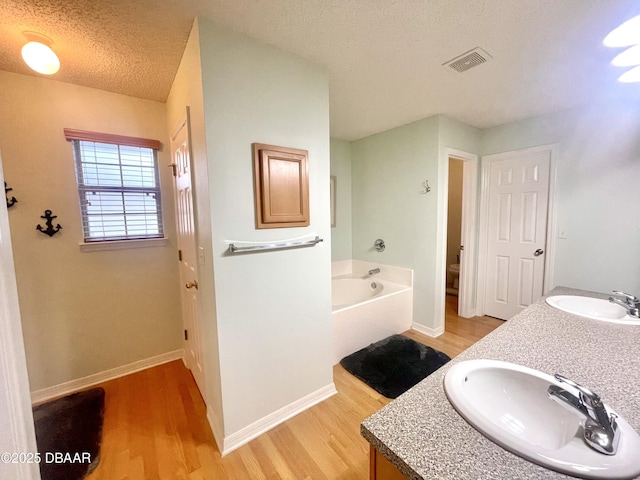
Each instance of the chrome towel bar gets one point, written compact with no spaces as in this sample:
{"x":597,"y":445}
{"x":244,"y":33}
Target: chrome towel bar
{"x":233,"y":248}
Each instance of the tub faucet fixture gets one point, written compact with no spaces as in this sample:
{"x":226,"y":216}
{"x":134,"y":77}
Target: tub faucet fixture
{"x":600,"y":429}
{"x":630,"y":303}
{"x":373,"y":271}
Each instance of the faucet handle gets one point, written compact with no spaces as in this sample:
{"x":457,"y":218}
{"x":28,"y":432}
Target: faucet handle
{"x":586,"y":395}
{"x":630,"y":299}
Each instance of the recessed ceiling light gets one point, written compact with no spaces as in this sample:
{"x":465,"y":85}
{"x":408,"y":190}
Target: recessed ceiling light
{"x":624,"y":35}
{"x":38,"y":54}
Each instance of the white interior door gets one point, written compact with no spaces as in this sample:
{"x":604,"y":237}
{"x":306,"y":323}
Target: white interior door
{"x":516,"y":230}
{"x":466,"y":298}
{"x":187,"y":255}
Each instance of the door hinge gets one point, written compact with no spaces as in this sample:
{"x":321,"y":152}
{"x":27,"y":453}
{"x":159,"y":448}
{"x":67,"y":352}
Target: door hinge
{"x":173,"y":168}
{"x":180,"y":255}
{"x":186,"y":334}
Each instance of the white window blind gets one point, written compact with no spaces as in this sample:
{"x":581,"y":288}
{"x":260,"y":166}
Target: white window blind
{"x":119,"y":190}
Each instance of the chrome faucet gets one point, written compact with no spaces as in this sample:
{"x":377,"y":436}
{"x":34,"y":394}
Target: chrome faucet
{"x":600,"y":429}
{"x":373,"y":271}
{"x":630,"y":303}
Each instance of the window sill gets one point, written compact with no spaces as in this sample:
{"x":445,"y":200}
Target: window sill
{"x":122,"y":244}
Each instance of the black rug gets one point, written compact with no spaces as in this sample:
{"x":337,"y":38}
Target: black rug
{"x":68,"y":434}
{"x":394,"y":365}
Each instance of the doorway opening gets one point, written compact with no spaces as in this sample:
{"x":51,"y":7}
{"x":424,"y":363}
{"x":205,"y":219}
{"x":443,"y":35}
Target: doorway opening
{"x":454,"y":230}
{"x":459,"y":275}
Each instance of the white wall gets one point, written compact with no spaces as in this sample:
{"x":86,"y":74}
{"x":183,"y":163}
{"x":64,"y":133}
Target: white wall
{"x":16,"y":419}
{"x":187,"y":91}
{"x":341,"y":236}
{"x":82,"y":312}
{"x":273,"y":308}
{"x":598,"y":194}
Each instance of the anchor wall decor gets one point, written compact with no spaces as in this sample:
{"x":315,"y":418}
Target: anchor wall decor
{"x":13,"y":201}
{"x":50,"y":230}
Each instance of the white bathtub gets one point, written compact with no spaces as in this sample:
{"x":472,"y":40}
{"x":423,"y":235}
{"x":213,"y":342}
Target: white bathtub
{"x":366,"y":308}
{"x":348,"y":291}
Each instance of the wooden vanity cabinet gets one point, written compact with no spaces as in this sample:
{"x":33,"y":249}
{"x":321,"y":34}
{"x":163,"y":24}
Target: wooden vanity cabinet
{"x":381,"y":468}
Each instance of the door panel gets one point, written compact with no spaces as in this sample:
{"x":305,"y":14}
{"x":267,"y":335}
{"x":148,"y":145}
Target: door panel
{"x":185,"y":224}
{"x":518,"y":193}
{"x":502,"y":279}
{"x":527,"y":282}
{"x":504,"y":218}
{"x":529,"y":215}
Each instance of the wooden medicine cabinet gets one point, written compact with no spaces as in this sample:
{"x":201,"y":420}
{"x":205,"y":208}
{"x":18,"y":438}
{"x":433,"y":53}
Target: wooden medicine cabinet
{"x":281,"y":186}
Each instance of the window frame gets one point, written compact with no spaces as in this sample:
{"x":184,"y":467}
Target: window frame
{"x":132,"y":241}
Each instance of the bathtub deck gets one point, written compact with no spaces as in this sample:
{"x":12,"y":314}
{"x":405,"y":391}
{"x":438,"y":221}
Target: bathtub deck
{"x":155,"y":426}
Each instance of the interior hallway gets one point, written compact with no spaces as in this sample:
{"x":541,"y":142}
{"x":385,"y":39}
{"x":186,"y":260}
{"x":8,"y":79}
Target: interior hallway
{"x":156,"y":428}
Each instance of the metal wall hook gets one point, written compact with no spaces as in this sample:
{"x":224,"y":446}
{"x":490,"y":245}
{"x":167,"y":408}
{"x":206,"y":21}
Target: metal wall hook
{"x":13,"y":201}
{"x":426,"y":187}
{"x":50,"y":230}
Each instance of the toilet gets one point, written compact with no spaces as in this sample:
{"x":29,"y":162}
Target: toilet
{"x":453,"y":278}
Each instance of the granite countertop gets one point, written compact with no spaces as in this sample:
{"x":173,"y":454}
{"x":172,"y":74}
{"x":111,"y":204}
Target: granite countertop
{"x":425,"y":438}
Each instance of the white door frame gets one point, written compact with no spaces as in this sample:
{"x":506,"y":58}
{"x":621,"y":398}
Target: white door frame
{"x":469,"y":214}
{"x":550,"y":248}
{"x":16,"y":416}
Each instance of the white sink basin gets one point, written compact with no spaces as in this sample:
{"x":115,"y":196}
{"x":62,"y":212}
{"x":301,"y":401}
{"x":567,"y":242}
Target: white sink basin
{"x":510,"y":405}
{"x":593,"y":308}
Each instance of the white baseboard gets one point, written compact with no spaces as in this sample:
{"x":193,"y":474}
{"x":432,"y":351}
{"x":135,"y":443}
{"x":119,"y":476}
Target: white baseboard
{"x":256,"y":429}
{"x":216,"y":427}
{"x":432,"y":332}
{"x":55,"y":391}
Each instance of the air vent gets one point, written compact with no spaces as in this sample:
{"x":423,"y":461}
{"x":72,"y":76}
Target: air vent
{"x":467,"y":60}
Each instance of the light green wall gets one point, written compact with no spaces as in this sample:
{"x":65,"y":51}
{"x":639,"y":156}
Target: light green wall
{"x":388,"y":171}
{"x":387,"y":174}
{"x":273,"y":308}
{"x":458,"y":135}
{"x":598,"y":193}
{"x":82,"y":312}
{"x":341,"y":237}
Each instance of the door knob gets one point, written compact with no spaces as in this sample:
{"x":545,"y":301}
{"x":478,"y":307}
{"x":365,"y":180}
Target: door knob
{"x":192,"y":284}
{"x":538,"y":252}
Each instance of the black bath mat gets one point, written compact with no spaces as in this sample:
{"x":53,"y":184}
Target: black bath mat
{"x":68,"y":434}
{"x":394,"y":365}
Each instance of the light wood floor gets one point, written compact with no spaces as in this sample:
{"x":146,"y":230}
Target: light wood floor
{"x":155,"y":425}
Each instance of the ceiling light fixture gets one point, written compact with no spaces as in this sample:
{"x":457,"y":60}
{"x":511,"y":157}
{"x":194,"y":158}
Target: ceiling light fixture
{"x":629,"y":58}
{"x":630,"y":76}
{"x":38,"y":54}
{"x":626,"y":35}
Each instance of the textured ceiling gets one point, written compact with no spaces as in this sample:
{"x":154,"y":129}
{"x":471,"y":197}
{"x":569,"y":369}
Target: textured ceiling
{"x":384,"y":57}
